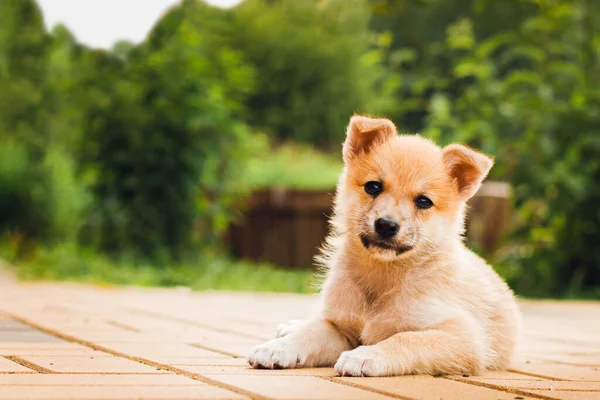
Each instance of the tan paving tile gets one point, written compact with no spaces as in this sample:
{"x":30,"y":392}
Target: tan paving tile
{"x":95,"y":380}
{"x":150,"y":350}
{"x":26,"y":336}
{"x":498,"y":375}
{"x":546,"y":384}
{"x":295,"y":387}
{"x":11,"y":324}
{"x":73,"y":364}
{"x":247,"y":370}
{"x":589,"y":360}
{"x":8,"y":366}
{"x":107,"y":392}
{"x":44,"y":346}
{"x":53,"y":352}
{"x":239,"y":349}
{"x":566,"y":395}
{"x":426,"y":387}
{"x":199,"y":361}
{"x":559,"y":371}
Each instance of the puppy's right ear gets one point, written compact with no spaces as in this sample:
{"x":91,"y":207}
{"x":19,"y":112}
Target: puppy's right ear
{"x":364,"y":132}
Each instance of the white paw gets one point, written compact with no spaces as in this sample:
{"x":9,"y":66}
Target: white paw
{"x":289,"y":327}
{"x":362,"y":361}
{"x":277,"y":353}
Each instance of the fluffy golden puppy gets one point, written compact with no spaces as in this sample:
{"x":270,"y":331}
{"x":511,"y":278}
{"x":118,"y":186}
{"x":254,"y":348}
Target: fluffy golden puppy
{"x":403,"y":295}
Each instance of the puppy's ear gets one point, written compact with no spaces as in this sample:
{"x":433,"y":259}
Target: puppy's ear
{"x":468,"y":167}
{"x":364,"y":132}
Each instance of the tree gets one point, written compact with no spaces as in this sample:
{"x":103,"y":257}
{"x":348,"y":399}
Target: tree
{"x":167,"y":145}
{"x":314,"y":66}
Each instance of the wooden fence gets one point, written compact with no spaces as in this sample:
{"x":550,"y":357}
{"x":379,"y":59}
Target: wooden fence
{"x":286,"y":227}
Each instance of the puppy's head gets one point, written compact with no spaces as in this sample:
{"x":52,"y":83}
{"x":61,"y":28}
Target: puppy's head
{"x":402,"y":195}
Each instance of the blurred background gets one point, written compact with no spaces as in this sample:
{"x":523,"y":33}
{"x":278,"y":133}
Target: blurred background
{"x":195,"y":144}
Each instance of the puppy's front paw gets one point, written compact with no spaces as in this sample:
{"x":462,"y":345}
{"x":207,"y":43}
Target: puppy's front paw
{"x":277,"y":353}
{"x":289,"y":327}
{"x":363,"y":361}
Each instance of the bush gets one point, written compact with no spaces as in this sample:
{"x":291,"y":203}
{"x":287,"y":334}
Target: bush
{"x":315,"y":66}
{"x":531,"y":97}
{"x":167,"y":145}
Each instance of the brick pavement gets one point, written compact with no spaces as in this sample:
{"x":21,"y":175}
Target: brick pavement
{"x":63,"y":341}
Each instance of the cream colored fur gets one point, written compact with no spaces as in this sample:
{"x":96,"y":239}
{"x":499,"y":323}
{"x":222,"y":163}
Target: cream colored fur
{"x":435,"y":309}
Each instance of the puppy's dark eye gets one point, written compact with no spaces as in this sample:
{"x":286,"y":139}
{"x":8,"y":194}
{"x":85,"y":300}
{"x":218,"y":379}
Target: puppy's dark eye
{"x":373,"y":188}
{"x":423,"y":202}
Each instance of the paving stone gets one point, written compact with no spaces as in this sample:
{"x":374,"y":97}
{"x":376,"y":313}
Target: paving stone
{"x":239,"y":349}
{"x":545,"y":384}
{"x":498,"y":375}
{"x":426,"y":387}
{"x":295,"y":387}
{"x":11,"y":324}
{"x":26,"y":336}
{"x":568,"y":395}
{"x":108,"y":392}
{"x":559,"y":371}
{"x":74,"y":364}
{"x":146,"y":350}
{"x":53,"y":352}
{"x":247,"y":370}
{"x":11,"y":367}
{"x":588,"y":360}
{"x":42,"y":346}
{"x":199,"y":361}
{"x":96,"y":380}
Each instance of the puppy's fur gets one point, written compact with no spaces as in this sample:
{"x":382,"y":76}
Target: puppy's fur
{"x":419,"y":302}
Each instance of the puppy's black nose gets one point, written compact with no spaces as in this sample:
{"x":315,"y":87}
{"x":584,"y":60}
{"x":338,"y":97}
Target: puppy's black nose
{"x":386,"y":228}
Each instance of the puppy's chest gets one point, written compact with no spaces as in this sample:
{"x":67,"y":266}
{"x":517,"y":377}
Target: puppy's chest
{"x":376,"y":319}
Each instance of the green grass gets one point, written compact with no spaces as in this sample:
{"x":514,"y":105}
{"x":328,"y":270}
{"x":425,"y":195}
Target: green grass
{"x":294,"y":166}
{"x":70,"y":263}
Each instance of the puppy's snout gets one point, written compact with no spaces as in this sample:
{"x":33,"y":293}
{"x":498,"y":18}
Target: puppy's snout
{"x":386,"y":227}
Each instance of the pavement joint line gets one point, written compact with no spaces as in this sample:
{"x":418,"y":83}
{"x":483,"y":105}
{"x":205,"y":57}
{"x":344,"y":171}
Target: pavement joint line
{"x":17,"y":373}
{"x":198,"y":324}
{"x":225,"y":353}
{"x":336,"y":379}
{"x":501,"y":388}
{"x":550,"y":378}
{"x":122,"y":326}
{"x":160,"y":366}
{"x":29,"y":364}
{"x":572,"y":390}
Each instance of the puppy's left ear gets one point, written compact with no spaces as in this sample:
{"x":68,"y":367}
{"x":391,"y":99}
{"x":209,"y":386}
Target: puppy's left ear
{"x":468,"y":167}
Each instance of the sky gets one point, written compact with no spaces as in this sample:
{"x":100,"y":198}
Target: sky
{"x":100,"y":23}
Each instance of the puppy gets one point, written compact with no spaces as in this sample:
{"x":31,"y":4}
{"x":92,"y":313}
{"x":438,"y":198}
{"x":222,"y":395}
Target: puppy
{"x":402,"y":295}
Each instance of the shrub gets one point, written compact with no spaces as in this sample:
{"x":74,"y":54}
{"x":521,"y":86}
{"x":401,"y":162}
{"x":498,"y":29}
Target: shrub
{"x":531,"y":97}
{"x":167,"y":145}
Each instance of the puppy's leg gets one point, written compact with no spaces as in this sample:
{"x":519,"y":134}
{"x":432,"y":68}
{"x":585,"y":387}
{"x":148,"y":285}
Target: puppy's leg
{"x":288,"y":327}
{"x":454,"y":347}
{"x":315,"y":343}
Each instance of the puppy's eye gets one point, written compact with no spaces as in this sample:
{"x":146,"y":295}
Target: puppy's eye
{"x":423,"y":202}
{"x":373,"y":188}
